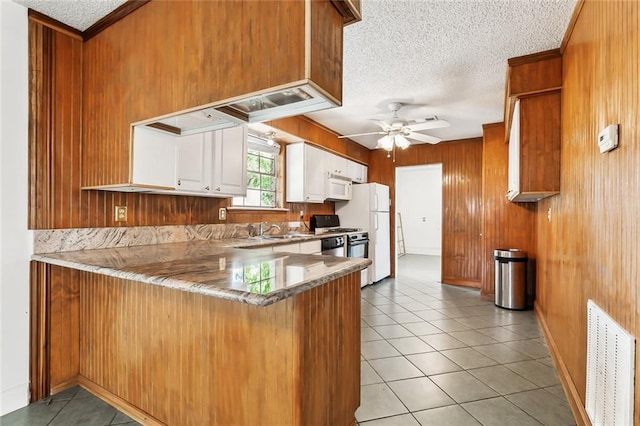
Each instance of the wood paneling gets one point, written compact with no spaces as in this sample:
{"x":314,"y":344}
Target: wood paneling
{"x":461,"y":202}
{"x":589,"y":248}
{"x":39,"y":302}
{"x":64,"y":327}
{"x":114,"y":16}
{"x":505,"y":224}
{"x":188,"y":359}
{"x":323,"y":137}
{"x":326,"y":48}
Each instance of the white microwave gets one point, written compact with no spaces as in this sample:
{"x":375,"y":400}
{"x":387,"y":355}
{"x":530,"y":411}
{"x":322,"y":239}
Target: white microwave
{"x":338,"y":187}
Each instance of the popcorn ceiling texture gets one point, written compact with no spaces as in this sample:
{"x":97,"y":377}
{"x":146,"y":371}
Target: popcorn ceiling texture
{"x":447,"y":58}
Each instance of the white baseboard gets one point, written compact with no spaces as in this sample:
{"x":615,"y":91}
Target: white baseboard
{"x":14,"y":398}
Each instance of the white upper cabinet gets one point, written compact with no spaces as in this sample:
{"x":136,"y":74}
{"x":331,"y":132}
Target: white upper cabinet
{"x":230,"y":161}
{"x":335,"y":164}
{"x":194,"y":160}
{"x":154,"y":159}
{"x":357,"y":172}
{"x":305,"y":176}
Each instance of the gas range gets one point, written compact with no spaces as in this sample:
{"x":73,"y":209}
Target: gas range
{"x":323,"y":231}
{"x":329,"y":224}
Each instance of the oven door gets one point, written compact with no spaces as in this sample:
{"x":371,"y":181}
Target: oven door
{"x":333,"y":246}
{"x":359,"y":249}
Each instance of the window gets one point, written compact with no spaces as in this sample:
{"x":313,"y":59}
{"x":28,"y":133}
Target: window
{"x":262,"y":176}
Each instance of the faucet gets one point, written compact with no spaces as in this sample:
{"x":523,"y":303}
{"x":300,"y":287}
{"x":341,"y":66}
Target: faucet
{"x":273,"y":225}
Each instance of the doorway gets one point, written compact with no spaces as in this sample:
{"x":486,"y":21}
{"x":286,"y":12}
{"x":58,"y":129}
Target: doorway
{"x":419,"y":221}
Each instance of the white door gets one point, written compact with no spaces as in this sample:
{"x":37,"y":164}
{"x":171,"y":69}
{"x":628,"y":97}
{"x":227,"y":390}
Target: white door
{"x":314,"y":176}
{"x":154,"y":157}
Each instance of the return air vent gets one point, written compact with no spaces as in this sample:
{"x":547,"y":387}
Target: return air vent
{"x":610,"y":370}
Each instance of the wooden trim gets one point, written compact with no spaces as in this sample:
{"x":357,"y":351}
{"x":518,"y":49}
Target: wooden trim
{"x":491,"y":125}
{"x":573,"y":397}
{"x":54,"y":24}
{"x":113,"y":17}
{"x":572,"y":24}
{"x":64,"y":385}
{"x":119,"y":403}
{"x":349,"y":10}
{"x":165,"y":128}
{"x":39,"y":331}
{"x":534,"y":57}
{"x":307,"y":39}
{"x":461,"y":282}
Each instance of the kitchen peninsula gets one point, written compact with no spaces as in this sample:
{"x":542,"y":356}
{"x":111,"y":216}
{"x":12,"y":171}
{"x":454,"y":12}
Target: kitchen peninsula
{"x":202,"y":332}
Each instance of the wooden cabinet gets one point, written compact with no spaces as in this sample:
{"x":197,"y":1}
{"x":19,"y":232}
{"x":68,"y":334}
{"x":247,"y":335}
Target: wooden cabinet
{"x":532,"y":113}
{"x":305,"y":178}
{"x":534,"y":148}
{"x":357,"y":172}
{"x":207,"y":63}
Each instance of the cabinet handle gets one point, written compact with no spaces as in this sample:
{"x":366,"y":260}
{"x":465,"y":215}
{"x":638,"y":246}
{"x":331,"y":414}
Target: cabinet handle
{"x":179,"y":182}
{"x":218,"y":188}
{"x":207,"y":188}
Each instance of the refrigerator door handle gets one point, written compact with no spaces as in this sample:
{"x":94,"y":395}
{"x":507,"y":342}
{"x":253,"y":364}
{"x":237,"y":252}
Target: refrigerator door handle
{"x":375,"y":204}
{"x":375,"y":220}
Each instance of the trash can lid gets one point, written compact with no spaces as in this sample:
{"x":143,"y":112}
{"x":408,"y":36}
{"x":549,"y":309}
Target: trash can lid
{"x":510,"y":253}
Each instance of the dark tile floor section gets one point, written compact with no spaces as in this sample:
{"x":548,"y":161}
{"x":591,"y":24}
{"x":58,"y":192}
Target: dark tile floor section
{"x":435,"y":354}
{"x":73,"y":407}
{"x":432,"y":354}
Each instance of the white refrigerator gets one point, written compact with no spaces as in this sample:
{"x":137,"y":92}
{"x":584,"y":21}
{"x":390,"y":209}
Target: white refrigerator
{"x":369,"y":209}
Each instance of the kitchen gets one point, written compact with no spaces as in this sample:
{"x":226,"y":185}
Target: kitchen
{"x":165,"y":210}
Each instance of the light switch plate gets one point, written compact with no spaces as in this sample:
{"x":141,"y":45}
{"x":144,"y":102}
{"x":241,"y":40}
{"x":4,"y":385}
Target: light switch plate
{"x":222,"y":213}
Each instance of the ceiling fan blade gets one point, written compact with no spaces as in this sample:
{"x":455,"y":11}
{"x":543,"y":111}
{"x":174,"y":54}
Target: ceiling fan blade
{"x":362,"y":134}
{"x":416,"y":126}
{"x":423,"y":138}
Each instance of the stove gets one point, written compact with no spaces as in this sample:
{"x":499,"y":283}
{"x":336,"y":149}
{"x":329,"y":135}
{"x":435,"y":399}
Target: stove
{"x":328,"y":224}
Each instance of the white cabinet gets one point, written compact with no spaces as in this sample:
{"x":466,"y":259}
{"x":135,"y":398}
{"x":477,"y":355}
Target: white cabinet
{"x":305,"y":177}
{"x":230,"y":161}
{"x":154,"y":159}
{"x":212,"y":163}
{"x":311,"y":247}
{"x":194,"y":162}
{"x":357,"y":172}
{"x":335,"y":164}
{"x":286,"y":248}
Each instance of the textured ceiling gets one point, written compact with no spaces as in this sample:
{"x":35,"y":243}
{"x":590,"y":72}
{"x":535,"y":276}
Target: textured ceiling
{"x":444,"y":58}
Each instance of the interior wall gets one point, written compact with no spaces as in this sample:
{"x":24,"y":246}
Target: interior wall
{"x":589,"y":247}
{"x":15,"y":239}
{"x":419,"y":201}
{"x":461,"y":201}
{"x":505,"y":224}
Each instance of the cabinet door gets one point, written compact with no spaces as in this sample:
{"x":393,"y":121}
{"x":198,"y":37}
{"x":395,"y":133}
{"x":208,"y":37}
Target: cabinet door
{"x":314,"y":175}
{"x":154,"y":156}
{"x":230,"y":161}
{"x":286,"y":248}
{"x":365,"y":174}
{"x":193,"y":162}
{"x":356,"y":171}
{"x":335,"y":164}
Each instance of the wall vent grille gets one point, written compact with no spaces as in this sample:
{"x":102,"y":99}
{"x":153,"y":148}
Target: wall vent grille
{"x":610,"y":370}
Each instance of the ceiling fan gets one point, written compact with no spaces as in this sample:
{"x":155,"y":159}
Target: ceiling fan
{"x":397,"y":131}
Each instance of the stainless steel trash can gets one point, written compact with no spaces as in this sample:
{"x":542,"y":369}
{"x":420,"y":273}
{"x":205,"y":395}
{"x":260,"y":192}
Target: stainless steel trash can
{"x":511,"y":278}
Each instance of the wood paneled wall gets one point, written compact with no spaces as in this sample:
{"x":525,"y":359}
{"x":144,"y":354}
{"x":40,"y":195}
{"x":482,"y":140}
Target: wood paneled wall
{"x":222,"y":362}
{"x":56,"y":200}
{"x":461,"y":202}
{"x":505,"y":224}
{"x":589,"y":248}
{"x":317,"y":134}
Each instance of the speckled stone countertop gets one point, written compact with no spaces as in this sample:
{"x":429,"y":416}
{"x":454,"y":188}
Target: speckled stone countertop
{"x":216,"y":268}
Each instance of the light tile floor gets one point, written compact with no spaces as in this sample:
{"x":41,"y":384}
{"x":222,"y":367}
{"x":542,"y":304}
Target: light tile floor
{"x":432,"y":354}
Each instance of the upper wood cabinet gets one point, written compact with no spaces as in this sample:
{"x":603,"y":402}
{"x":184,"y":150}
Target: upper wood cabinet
{"x":350,"y":10}
{"x":533,"y":127}
{"x":152,"y":64}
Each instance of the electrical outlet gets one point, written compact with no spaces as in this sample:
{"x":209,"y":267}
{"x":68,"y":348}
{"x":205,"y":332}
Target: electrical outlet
{"x":222,"y":213}
{"x":301,"y":214}
{"x":121,"y":214}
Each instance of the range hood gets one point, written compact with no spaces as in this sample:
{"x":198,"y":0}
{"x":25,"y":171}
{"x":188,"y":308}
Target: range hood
{"x":286,"y":102}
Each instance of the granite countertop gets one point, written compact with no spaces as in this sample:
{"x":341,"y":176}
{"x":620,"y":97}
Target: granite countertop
{"x":217,"y":268}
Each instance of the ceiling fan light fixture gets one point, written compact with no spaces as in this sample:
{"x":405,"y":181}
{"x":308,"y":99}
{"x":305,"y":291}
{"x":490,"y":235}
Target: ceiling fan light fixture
{"x":402,"y":142}
{"x":386,"y":143}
